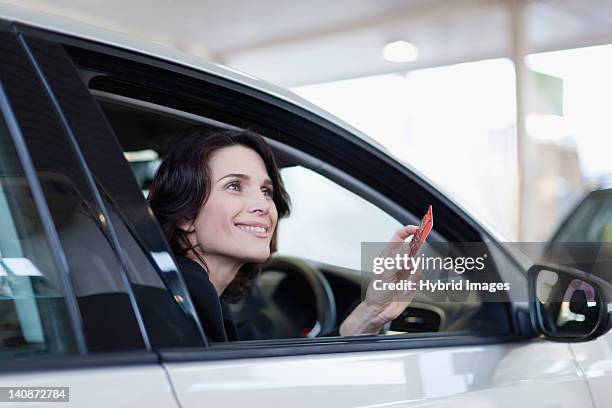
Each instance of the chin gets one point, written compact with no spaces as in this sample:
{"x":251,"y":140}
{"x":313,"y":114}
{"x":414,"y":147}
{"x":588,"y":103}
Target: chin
{"x":256,"y":256}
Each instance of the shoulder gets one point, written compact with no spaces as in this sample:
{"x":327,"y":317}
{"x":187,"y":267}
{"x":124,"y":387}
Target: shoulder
{"x":187,"y":265}
{"x":196,"y":278}
{"x":204,"y":297}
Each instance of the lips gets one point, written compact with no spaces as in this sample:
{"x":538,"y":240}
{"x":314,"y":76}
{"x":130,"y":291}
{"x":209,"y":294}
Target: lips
{"x":257,"y":228}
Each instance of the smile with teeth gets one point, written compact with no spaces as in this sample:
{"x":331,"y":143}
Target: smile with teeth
{"x":250,"y":228}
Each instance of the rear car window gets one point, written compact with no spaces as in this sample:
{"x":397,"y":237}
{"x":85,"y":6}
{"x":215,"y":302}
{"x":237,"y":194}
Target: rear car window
{"x":33,"y":315}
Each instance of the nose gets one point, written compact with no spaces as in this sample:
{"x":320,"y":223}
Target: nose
{"x":260,"y":205}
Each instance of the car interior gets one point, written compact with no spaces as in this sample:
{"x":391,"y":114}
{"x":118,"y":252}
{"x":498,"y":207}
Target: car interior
{"x":295,"y":297}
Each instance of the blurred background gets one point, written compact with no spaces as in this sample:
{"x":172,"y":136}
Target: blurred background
{"x":506,"y":105}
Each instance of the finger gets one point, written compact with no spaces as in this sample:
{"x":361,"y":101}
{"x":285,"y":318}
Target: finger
{"x":397,"y":240}
{"x":410,"y":274}
{"x":403,"y":233}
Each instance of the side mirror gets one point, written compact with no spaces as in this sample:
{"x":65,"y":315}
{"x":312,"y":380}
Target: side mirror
{"x":568,"y":304}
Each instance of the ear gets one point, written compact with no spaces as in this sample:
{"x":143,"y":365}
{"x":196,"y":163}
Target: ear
{"x":186,"y":226}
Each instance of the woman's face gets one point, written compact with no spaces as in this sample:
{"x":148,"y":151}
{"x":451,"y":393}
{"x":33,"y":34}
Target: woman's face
{"x":239,"y":217}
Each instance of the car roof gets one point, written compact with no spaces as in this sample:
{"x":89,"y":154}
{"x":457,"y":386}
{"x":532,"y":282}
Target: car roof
{"x":604,"y":182}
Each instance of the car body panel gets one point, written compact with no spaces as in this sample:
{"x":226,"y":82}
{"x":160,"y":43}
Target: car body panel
{"x":135,"y":386}
{"x":531,"y":374}
{"x":595,"y":360}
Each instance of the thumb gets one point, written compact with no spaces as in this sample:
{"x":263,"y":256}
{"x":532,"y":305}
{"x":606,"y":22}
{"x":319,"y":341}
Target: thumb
{"x":403,"y":233}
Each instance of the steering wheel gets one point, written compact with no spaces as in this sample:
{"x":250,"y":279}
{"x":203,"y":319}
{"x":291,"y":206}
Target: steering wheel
{"x":269,"y":313}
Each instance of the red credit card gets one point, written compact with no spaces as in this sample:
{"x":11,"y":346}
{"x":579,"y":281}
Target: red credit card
{"x":421,"y":234}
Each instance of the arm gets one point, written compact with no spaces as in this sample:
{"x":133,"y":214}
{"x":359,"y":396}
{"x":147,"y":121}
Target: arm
{"x":381,"y":307}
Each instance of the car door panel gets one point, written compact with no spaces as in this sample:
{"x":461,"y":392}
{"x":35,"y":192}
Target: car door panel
{"x":595,"y":360}
{"x":534,"y":374}
{"x":100,"y":387}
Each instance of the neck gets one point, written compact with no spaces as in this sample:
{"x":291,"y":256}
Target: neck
{"x":221,"y":270}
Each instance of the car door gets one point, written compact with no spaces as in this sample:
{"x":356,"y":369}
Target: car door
{"x":68,"y":317}
{"x":501,"y":369}
{"x":425,"y":369}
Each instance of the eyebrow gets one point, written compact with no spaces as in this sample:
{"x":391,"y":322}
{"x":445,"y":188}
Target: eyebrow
{"x":244,"y":177}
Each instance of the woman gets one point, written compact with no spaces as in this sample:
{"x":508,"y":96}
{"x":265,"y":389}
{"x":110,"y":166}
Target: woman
{"x":218,"y":197}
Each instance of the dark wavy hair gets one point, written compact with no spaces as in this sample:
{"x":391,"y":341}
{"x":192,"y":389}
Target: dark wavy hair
{"x":182,"y":185}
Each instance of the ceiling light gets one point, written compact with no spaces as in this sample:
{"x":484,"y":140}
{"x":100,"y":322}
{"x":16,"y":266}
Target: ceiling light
{"x":400,"y":51}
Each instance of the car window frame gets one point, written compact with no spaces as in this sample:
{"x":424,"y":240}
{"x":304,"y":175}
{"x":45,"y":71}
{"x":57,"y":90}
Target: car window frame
{"x":72,"y":99}
{"x":50,"y":233}
{"x":363,"y":342}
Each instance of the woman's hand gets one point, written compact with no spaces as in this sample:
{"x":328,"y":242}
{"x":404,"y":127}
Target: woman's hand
{"x":383,"y":306}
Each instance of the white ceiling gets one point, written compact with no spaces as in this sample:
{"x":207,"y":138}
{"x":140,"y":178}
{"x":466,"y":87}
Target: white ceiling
{"x":292,"y":42}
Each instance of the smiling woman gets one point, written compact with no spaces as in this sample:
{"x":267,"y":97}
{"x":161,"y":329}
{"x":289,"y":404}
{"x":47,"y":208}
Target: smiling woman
{"x":210,"y":193}
{"x":218,"y":196}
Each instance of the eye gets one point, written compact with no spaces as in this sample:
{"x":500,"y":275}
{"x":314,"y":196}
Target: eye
{"x":233,"y":186}
{"x":268,"y":192}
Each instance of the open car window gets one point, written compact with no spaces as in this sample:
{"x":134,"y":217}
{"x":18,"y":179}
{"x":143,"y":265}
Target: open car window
{"x":326,"y":228}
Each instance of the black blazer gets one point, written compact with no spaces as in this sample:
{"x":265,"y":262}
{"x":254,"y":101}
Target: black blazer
{"x":215,"y":316}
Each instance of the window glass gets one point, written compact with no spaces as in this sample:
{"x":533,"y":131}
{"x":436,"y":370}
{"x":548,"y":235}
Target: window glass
{"x":33,"y":315}
{"x":97,"y":275}
{"x":155,"y":300}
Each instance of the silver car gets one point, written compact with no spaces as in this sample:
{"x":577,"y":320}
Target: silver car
{"x":94,"y":311}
